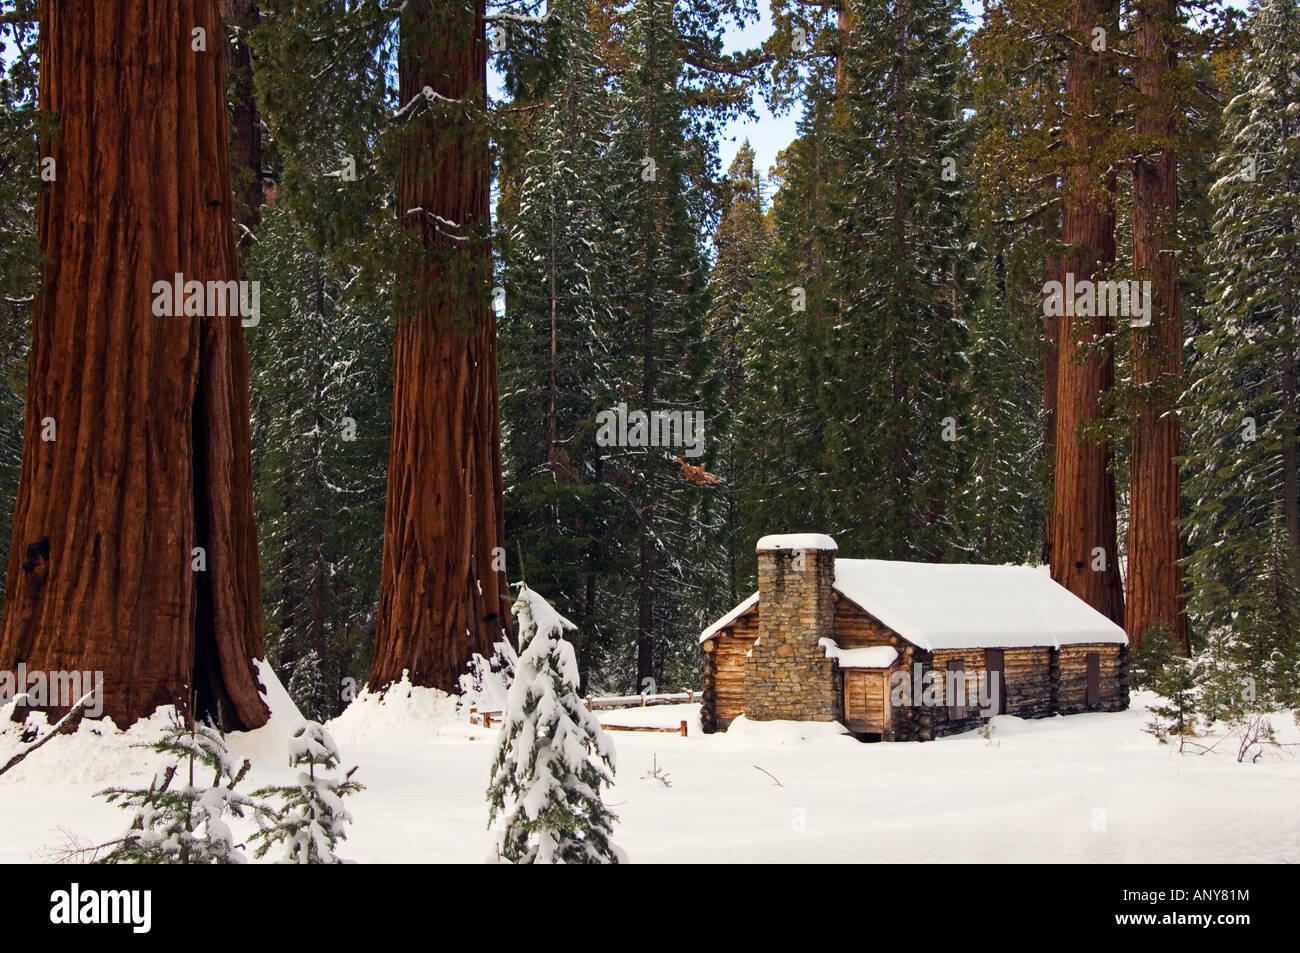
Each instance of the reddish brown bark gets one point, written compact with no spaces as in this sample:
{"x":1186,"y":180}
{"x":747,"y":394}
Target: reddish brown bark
{"x":1155,"y":579}
{"x":844,"y":24}
{"x":1083,"y":512}
{"x":152,"y":451}
{"x":440,"y":598}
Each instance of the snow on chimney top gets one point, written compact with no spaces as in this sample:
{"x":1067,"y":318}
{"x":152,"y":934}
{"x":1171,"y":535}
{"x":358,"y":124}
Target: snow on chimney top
{"x":796,"y":541}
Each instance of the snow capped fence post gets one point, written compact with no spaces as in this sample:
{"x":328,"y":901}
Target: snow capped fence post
{"x":553,"y":757}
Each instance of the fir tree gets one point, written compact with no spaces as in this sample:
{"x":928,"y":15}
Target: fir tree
{"x":320,"y":427}
{"x":1178,"y":707}
{"x":1016,"y":83}
{"x":892,"y":404}
{"x":321,"y":369}
{"x":656,"y":358}
{"x":552,"y":758}
{"x":21,"y":170}
{"x":780,"y":433}
{"x":311,"y":819}
{"x":1000,"y":504}
{"x":178,"y":820}
{"x":740,"y":240}
{"x":1242,"y":408}
{"x":556,"y":279}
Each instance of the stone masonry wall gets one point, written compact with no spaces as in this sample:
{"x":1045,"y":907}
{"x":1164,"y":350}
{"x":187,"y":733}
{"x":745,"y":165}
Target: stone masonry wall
{"x":787,"y":675}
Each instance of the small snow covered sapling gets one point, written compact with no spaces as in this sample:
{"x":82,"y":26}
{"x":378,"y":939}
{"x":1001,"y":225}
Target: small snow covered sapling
{"x":553,"y":757}
{"x":312,"y":819}
{"x":1173,"y":678}
{"x":657,"y":773}
{"x":179,"y":821}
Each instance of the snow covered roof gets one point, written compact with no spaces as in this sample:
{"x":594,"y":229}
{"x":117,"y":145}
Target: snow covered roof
{"x":875,"y":656}
{"x":796,"y":541}
{"x":955,"y":606}
{"x":951,"y":606}
{"x":729,"y":618}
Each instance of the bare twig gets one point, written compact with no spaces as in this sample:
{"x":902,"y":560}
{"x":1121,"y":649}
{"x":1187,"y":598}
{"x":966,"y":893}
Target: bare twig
{"x":772,"y":776}
{"x":243,"y":770}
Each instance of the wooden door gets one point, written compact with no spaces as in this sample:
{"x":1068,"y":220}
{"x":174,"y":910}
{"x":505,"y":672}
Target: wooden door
{"x":866,"y":700}
{"x":1094,"y":679}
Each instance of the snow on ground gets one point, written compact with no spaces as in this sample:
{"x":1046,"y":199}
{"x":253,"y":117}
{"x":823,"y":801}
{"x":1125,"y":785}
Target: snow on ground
{"x":1090,"y":787}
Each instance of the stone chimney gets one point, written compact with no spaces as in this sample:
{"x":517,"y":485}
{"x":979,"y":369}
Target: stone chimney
{"x":787,"y":674}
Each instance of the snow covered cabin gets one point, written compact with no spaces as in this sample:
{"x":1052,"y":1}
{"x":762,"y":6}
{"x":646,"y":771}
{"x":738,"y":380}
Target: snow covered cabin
{"x":866,"y":642}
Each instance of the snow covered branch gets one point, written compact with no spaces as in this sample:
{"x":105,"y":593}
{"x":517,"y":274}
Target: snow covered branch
{"x":24,"y":750}
{"x":425,"y":95}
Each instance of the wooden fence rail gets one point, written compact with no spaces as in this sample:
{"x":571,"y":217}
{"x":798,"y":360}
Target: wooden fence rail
{"x":488,"y":718}
{"x":485,"y":718}
{"x":641,"y":701}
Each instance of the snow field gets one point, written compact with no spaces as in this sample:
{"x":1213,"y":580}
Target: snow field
{"x":1083,"y":788}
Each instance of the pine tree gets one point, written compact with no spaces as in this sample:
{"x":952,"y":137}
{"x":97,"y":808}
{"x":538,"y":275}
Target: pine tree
{"x":1017,"y":81}
{"x":177,"y":819}
{"x":553,"y":758}
{"x":310,"y":820}
{"x":20,"y":182}
{"x":780,"y":431}
{"x":1000,"y":503}
{"x":556,"y":278}
{"x":320,"y":423}
{"x":656,"y":358}
{"x":1174,"y":679}
{"x":893,"y":408}
{"x":741,"y":240}
{"x":321,"y":363}
{"x":1242,"y":407}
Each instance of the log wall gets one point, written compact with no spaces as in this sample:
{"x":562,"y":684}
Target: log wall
{"x":856,"y":629}
{"x":724,"y":673}
{"x":1072,"y":681}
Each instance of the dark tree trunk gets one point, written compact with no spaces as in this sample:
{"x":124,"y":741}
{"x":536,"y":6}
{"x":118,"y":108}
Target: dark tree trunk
{"x":440,"y":598}
{"x":1051,"y":225}
{"x":1290,"y":448}
{"x":1083,"y":510}
{"x":245,"y":122}
{"x":1155,"y":578}
{"x":152,"y":451}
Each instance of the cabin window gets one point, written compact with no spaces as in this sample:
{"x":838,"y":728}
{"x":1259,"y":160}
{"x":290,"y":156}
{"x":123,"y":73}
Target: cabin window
{"x":994,"y":669}
{"x":956,"y":689}
{"x":1094,"y":679}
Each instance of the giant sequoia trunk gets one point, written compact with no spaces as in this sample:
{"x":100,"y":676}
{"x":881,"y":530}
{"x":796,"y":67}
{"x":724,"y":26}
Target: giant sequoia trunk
{"x":149,"y":414}
{"x":1084,"y":558}
{"x":1155,"y":579}
{"x":441,"y":598}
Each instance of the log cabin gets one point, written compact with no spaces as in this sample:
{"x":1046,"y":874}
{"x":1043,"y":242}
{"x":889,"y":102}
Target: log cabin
{"x":901,"y":651}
